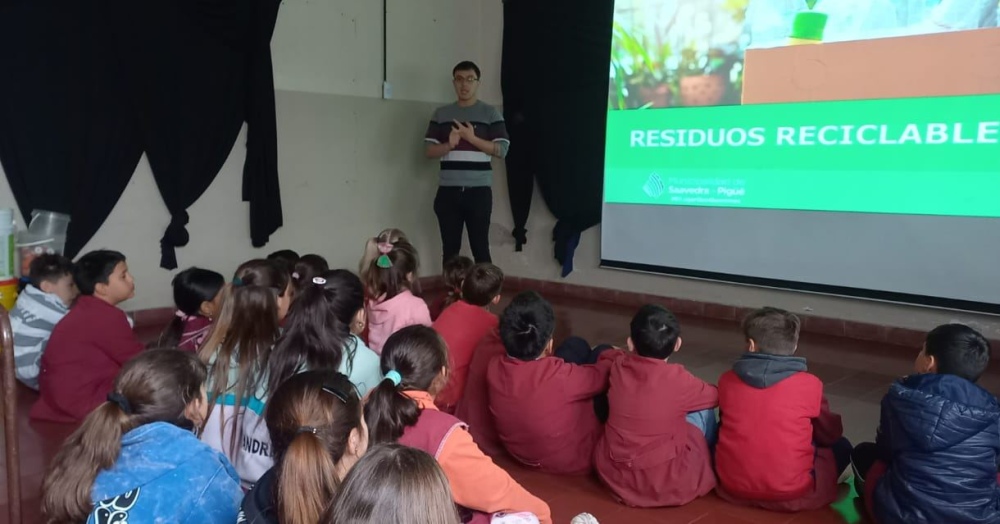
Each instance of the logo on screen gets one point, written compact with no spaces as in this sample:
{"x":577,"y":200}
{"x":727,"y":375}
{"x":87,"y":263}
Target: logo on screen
{"x":653,"y":186}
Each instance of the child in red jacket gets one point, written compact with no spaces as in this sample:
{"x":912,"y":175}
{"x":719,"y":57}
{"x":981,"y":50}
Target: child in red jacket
{"x":464,"y":324}
{"x":90,"y":344}
{"x":780,"y":447}
{"x":543,"y":405}
{"x":655,"y":449}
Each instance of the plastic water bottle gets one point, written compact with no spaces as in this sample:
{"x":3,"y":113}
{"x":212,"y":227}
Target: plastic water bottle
{"x":7,"y":265}
{"x":8,"y":276}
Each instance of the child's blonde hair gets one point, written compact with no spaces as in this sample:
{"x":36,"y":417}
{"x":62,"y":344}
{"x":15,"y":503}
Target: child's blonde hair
{"x":391,"y":236}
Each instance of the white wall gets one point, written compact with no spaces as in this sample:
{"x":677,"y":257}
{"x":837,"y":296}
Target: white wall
{"x":351,"y":164}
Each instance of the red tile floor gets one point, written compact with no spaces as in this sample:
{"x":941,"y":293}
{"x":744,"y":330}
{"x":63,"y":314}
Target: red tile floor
{"x":856,"y":375}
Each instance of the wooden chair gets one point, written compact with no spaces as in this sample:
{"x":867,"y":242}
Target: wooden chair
{"x":10,"y":419}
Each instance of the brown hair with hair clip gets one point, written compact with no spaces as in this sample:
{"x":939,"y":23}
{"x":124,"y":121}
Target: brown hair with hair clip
{"x":312,"y":419}
{"x":155,"y":386}
{"x":245,"y":330}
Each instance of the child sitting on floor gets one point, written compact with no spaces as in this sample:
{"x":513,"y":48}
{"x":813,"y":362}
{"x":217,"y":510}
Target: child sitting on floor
{"x":543,"y":405}
{"x":936,"y":453}
{"x":237,"y":353}
{"x":780,"y":447}
{"x":90,"y":344}
{"x":463,"y":326}
{"x":45,"y":300}
{"x":453,"y":273}
{"x":401,"y":409}
{"x":317,"y":428}
{"x":136,"y":457}
{"x":198,"y":297}
{"x":392,"y":304}
{"x":394,"y":483}
{"x":657,"y":452}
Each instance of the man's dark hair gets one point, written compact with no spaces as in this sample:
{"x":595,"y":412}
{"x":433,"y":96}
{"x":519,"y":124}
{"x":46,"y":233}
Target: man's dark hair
{"x":959,"y":350}
{"x":774,"y":331}
{"x":526,"y":326}
{"x":95,"y":268}
{"x":654,"y":332}
{"x":482,"y":284}
{"x":467,"y":66}
{"x":48,"y":268}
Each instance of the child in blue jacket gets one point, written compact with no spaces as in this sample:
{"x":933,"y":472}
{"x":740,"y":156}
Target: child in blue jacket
{"x":935,"y":457}
{"x":136,"y":457}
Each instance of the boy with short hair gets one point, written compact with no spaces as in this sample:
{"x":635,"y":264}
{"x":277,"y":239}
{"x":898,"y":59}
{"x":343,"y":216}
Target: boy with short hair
{"x":780,"y":447}
{"x":543,"y":405}
{"x":464,"y":324}
{"x":89,"y":346}
{"x":656,"y":445}
{"x":45,"y":300}
{"x":938,"y":444}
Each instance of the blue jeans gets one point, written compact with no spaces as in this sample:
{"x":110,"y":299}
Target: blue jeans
{"x":705,"y":421}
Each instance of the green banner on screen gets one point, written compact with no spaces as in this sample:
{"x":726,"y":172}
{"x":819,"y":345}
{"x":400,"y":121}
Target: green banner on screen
{"x":924,"y":156}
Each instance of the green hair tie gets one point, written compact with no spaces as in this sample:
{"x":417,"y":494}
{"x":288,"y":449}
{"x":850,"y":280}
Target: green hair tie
{"x":383,"y":262}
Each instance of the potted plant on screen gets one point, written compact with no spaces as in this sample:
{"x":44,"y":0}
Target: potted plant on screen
{"x":638,"y":73}
{"x":702,"y":76}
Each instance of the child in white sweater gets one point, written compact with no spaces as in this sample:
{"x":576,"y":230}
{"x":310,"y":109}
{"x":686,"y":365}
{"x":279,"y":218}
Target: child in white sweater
{"x":47,"y":296}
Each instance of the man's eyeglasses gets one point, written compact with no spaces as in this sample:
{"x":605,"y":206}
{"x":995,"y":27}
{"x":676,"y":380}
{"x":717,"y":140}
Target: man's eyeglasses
{"x":465,"y":80}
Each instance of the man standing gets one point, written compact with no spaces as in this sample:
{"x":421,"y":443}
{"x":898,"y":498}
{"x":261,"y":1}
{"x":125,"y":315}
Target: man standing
{"x":466,"y":136}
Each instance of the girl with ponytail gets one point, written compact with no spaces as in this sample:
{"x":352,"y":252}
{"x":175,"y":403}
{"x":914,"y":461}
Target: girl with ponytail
{"x":136,"y":458}
{"x":401,"y":409}
{"x":236,"y":353}
{"x":198,"y":296}
{"x":389,"y":286}
{"x":322,"y":332}
{"x":318,"y":432}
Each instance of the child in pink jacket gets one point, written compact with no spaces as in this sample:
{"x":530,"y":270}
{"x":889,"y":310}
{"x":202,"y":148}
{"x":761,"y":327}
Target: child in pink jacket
{"x":389,"y":279}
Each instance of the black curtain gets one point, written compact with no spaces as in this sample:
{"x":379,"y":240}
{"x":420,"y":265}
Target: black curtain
{"x":554,"y":77}
{"x":89,"y":86}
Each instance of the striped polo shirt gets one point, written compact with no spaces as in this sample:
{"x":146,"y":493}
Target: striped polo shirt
{"x":465,"y":165}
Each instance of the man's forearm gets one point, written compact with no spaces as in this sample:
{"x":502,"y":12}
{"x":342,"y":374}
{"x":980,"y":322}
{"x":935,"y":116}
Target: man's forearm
{"x":438,"y":150}
{"x":486,"y":146}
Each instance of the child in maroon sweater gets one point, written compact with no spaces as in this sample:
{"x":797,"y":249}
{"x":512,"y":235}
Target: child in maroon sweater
{"x":464,"y":324}
{"x":91,"y":343}
{"x":656,"y":446}
{"x":780,"y":447}
{"x":544,"y":405}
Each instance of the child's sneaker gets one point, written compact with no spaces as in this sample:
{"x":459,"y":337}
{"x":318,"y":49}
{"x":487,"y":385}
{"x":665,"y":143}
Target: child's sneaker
{"x":584,"y":518}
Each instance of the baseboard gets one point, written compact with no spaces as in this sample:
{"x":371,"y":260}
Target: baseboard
{"x":904,"y":337}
